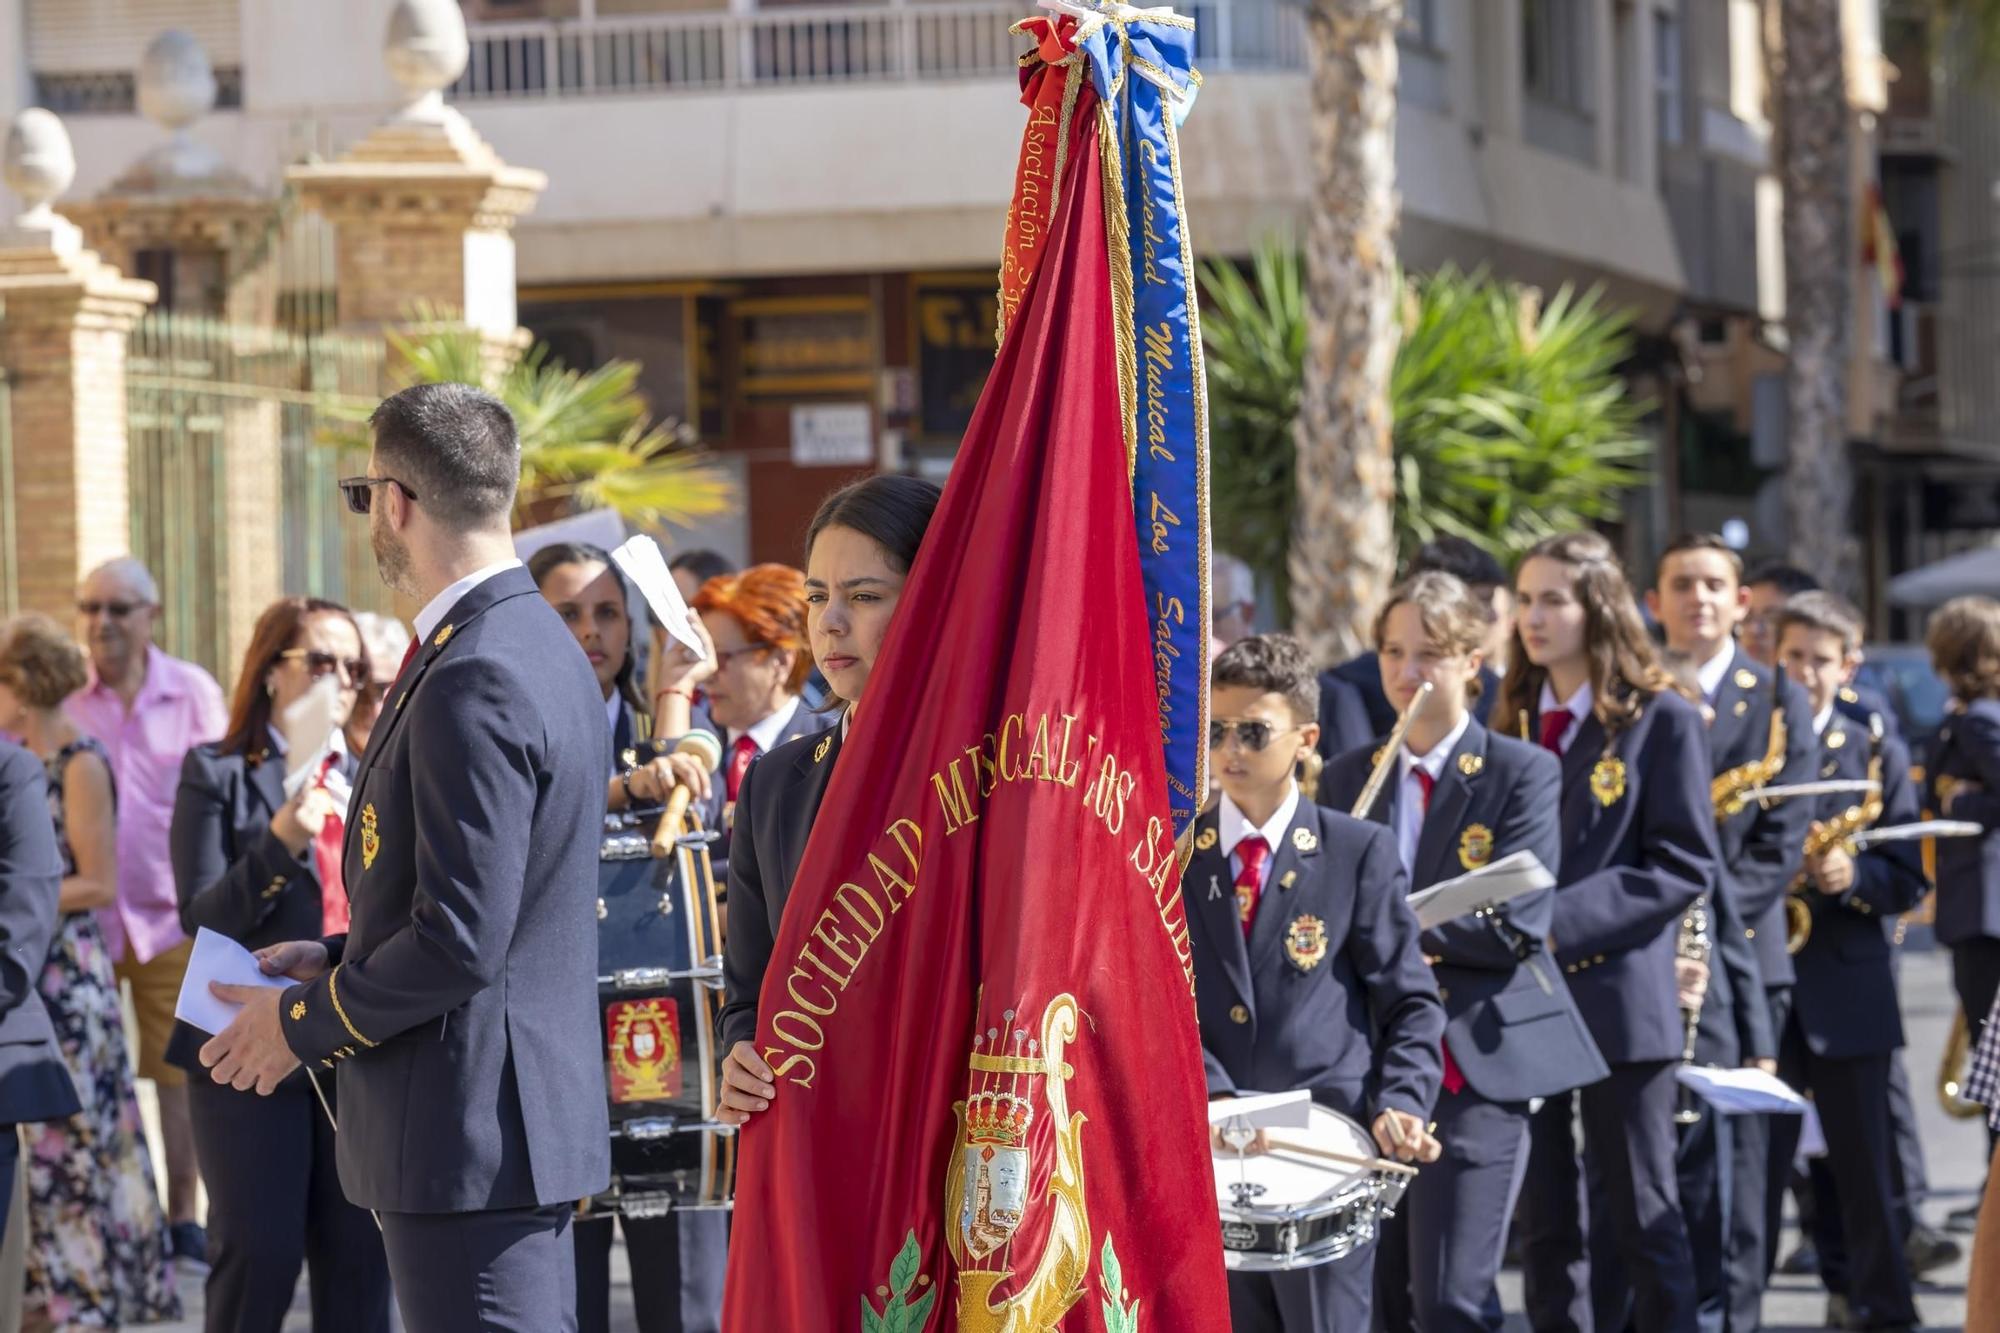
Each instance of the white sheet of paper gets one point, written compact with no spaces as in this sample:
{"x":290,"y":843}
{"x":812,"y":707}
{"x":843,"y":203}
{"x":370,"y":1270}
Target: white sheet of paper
{"x":642,"y":563}
{"x":217,"y":958}
{"x":1264,"y":1110}
{"x":1505,"y":879}
{"x":1742,"y":1091}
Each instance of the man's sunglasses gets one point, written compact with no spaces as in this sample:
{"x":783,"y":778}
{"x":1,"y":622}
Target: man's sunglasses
{"x":360,"y":491}
{"x":353,"y":670}
{"x":1252,"y":736}
{"x":116,"y":610}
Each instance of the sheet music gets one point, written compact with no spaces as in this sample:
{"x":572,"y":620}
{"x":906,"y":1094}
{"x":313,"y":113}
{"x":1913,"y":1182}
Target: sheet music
{"x":1505,"y":879}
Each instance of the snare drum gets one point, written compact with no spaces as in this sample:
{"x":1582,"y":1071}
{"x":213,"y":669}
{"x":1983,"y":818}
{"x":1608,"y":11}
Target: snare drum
{"x":659,"y":986}
{"x":1287,"y":1208}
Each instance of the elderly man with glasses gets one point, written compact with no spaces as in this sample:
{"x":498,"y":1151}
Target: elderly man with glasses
{"x":149,"y":709}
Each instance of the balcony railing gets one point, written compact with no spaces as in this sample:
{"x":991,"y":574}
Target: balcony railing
{"x":817,"y":45}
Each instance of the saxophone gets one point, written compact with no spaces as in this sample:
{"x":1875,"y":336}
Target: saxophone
{"x":1727,"y":791}
{"x":1835,"y":832}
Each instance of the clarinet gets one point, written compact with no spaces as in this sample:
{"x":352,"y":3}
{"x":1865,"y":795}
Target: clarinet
{"x":1695,"y":945}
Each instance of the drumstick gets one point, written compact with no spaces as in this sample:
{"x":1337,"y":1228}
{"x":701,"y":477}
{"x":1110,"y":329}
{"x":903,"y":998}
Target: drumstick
{"x":1377,"y":1163}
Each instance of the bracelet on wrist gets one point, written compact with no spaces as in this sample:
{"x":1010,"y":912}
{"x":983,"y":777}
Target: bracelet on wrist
{"x":683,"y":691}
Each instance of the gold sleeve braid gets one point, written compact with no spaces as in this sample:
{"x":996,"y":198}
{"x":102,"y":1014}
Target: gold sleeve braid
{"x":333,"y":993}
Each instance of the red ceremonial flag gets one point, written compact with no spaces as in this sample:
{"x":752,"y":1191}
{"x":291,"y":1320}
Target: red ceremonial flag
{"x":990,"y":1105}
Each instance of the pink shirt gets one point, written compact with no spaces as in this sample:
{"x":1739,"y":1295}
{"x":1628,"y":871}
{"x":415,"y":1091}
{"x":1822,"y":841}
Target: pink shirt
{"x":179,"y":707}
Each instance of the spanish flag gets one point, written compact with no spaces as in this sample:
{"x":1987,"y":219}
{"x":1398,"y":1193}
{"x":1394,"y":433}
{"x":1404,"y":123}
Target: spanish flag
{"x":995,"y":1120}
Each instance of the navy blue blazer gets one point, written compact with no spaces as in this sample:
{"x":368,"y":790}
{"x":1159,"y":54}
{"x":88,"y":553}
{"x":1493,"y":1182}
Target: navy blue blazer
{"x":1512,"y":1026}
{"x":1846,"y":1002}
{"x":462,"y":1012}
{"x":35,"y":1084}
{"x":1863,"y":703}
{"x":231,"y":874}
{"x":1762,"y":847}
{"x":1347,"y":1008}
{"x":1968,"y":869}
{"x":775,"y":809}
{"x":1364,"y":673}
{"x":1639,"y":847}
{"x":1343,"y":716}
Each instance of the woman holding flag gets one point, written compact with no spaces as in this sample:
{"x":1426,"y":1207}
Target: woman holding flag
{"x":859,"y":550}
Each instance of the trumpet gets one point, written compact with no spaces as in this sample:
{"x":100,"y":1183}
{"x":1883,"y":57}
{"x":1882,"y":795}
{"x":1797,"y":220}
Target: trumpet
{"x":1727,"y":790}
{"x":1385,"y":758}
{"x":1836,"y":832}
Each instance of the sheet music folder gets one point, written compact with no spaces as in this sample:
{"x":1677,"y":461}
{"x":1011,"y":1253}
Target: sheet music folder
{"x":1504,"y":880}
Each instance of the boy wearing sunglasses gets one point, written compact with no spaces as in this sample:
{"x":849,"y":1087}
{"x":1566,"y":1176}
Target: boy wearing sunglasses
{"x":1308,"y":968}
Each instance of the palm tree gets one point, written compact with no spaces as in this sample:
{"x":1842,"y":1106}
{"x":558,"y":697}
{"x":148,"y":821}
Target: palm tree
{"x":588,"y":438}
{"x":1343,"y":550}
{"x":1815,"y":155}
{"x":1510,"y":417}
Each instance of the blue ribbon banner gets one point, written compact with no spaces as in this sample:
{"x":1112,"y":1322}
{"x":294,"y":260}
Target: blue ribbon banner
{"x":1142,"y":62}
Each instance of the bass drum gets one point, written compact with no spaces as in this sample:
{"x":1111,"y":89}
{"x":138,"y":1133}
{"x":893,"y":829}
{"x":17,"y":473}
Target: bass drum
{"x":659,"y":986}
{"x":1313,"y":1199}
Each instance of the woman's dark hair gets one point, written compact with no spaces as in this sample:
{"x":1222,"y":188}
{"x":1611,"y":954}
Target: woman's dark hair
{"x":553,"y":557}
{"x":890,"y":511}
{"x":249,"y":731}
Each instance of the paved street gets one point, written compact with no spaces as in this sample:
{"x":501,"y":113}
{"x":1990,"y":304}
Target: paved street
{"x":1954,"y":1148}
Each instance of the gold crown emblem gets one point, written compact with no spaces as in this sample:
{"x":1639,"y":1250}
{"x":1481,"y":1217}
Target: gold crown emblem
{"x":998,"y":1119}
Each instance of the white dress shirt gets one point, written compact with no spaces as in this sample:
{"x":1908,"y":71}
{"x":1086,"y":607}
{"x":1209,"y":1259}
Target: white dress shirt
{"x":440,"y":606}
{"x":1822,"y":719}
{"x":765,"y":734}
{"x":1578,"y":707}
{"x":1409,"y":807}
{"x":1233,"y":826}
{"x":1710,"y":673}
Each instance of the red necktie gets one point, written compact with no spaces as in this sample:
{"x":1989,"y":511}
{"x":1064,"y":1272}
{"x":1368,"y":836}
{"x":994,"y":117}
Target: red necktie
{"x":333,"y":906}
{"x":740,"y":755}
{"x":1453,"y":1079}
{"x":1554,"y":724}
{"x":408,"y":653}
{"x":1250,"y":880}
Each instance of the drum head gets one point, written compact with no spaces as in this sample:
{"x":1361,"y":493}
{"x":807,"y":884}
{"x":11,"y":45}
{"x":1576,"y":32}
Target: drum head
{"x":1287,"y":1182}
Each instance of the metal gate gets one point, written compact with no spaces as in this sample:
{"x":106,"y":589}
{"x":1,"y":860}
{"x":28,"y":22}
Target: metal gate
{"x":233,"y":435}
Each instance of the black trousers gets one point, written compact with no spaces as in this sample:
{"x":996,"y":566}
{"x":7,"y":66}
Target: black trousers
{"x":1437,"y":1258}
{"x":1855,"y":1218}
{"x":1332,"y":1298}
{"x":1629,"y":1151}
{"x":677,"y":1270}
{"x":511,"y":1270}
{"x":1761,"y":1150}
{"x":274,"y":1205}
{"x":1975,"y":974}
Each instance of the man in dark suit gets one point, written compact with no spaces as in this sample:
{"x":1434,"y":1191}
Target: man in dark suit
{"x":1308,"y":968}
{"x":35,"y":1084}
{"x":461,"y":1008}
{"x":1477,"y":570}
{"x":1845,"y":1021}
{"x":1700,"y":601}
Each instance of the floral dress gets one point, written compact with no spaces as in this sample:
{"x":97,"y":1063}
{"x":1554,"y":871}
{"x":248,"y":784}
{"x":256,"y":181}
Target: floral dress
{"x":98,"y":1254}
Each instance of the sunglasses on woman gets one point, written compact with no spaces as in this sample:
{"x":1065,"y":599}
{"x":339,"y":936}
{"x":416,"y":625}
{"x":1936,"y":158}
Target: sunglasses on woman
{"x":1252,"y":736}
{"x":353,"y":670}
{"x":360,"y":491}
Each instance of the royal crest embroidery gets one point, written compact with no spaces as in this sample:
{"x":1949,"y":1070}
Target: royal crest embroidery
{"x":371,"y":840}
{"x":1475,"y":846}
{"x":1018,"y":1075}
{"x":298,"y":1011}
{"x":1472,"y":765}
{"x":1204,"y":840}
{"x":1305,"y":839}
{"x":643,"y":1049}
{"x":1746,"y":679}
{"x":1607,"y":780}
{"x":1305,"y":942}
